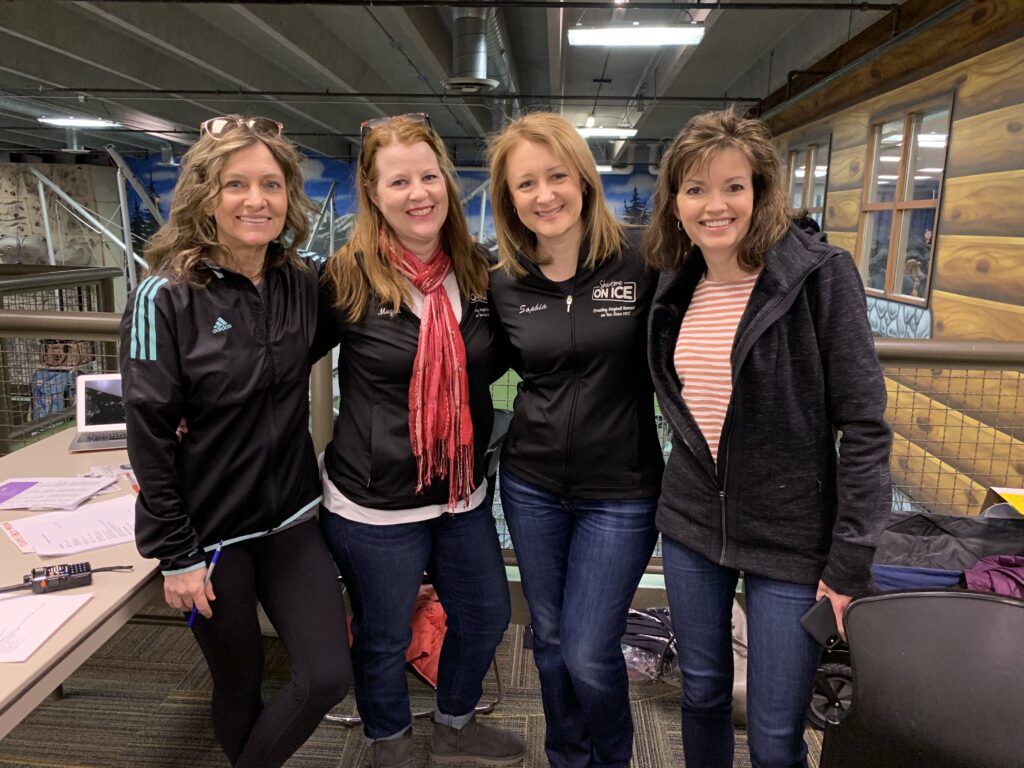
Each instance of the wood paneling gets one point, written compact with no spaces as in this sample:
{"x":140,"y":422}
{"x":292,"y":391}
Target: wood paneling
{"x":931,"y":481}
{"x":843,"y":210}
{"x":989,"y":268}
{"x":850,"y":128}
{"x":846,"y":169}
{"x":980,"y":27}
{"x":963,"y":317}
{"x":994,"y":397}
{"x":987,"y":143}
{"x":989,"y":456}
{"x":845,"y":240}
{"x":990,"y":81}
{"x":988,"y":204}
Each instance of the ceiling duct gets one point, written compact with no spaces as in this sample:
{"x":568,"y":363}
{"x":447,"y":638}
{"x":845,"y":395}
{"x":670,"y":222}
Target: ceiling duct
{"x":73,"y":145}
{"x":469,"y":52}
{"x":499,"y":57}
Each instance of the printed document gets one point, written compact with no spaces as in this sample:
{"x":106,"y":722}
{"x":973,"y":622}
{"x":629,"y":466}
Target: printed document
{"x":100,"y":524}
{"x":27,"y":621}
{"x":49,"y":492}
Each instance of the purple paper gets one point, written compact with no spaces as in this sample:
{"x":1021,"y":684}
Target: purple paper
{"x":10,"y":490}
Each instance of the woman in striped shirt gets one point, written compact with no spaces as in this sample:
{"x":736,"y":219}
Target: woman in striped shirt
{"x":761,"y":354}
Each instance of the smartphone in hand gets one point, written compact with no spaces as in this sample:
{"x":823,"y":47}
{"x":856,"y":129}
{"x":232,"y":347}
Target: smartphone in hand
{"x":820,"y":623}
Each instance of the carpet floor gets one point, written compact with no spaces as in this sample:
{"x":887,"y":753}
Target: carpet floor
{"x":143,"y":700}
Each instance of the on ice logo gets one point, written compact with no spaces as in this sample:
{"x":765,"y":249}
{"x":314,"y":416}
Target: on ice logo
{"x":615,"y":290}
{"x":221,"y":325}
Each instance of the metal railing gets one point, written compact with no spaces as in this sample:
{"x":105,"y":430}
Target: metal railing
{"x":956,"y":407}
{"x":58,"y":323}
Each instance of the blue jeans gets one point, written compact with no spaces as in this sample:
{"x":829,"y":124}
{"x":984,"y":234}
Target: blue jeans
{"x":781,"y":661}
{"x":383,"y":568}
{"x":580,"y":562}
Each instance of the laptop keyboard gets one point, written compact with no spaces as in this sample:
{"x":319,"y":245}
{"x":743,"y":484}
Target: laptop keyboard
{"x":91,"y":437}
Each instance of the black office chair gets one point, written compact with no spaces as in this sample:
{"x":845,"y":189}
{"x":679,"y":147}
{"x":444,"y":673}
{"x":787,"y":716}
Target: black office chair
{"x":938,"y":682}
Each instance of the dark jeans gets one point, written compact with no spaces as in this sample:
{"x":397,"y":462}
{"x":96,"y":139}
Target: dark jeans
{"x":781,"y":661}
{"x":293,"y":577}
{"x":383,"y":568}
{"x":580,"y":562}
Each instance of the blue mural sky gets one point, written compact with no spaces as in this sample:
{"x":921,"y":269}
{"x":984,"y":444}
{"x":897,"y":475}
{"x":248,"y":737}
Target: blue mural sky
{"x":622,"y":190}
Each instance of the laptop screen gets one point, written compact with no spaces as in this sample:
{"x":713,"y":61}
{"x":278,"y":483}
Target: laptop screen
{"x":103,"y":405}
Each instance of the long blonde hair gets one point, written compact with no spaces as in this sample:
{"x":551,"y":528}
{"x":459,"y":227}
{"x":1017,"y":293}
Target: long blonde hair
{"x":190,"y":233}
{"x":600,"y":226}
{"x":705,"y":136}
{"x":359,"y":270}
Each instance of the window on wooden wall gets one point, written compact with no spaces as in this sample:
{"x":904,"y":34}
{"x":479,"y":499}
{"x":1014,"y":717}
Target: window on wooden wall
{"x":808,"y":175}
{"x":901,"y":203}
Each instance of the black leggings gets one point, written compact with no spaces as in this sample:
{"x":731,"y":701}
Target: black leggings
{"x":294,"y":578}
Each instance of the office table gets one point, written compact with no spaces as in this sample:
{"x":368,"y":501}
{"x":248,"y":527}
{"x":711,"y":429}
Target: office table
{"x":116,"y":597}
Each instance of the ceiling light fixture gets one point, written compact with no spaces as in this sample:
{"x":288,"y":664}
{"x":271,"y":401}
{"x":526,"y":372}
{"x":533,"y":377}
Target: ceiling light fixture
{"x":590,"y":121}
{"x":79,"y":122}
{"x":683,"y":34}
{"x":607,"y":133}
{"x":604,"y":168}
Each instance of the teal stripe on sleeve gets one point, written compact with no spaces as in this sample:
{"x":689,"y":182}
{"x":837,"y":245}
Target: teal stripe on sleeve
{"x":140,"y":293}
{"x":144,"y":319}
{"x":151,"y":317}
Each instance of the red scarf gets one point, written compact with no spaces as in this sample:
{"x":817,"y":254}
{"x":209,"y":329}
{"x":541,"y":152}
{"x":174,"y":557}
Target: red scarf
{"x":440,"y":424}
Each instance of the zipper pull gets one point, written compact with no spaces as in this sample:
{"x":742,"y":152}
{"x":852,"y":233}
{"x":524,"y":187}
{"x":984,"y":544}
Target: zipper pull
{"x":568,"y":303}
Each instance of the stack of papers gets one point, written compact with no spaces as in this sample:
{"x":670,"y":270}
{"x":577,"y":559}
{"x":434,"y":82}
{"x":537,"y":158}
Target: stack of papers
{"x":50,"y":492}
{"x":101,"y":524}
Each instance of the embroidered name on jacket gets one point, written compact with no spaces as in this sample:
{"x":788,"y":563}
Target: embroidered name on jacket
{"x":530,"y":309}
{"x":221,"y":325}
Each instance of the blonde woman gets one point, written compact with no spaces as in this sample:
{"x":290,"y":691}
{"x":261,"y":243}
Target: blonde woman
{"x":220,"y":334}
{"x":404,"y":487}
{"x":581,"y":464}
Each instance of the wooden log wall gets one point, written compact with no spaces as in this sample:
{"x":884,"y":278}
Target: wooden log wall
{"x":977,"y":286}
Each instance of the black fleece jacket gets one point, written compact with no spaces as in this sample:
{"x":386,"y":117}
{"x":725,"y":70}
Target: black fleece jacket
{"x":583,"y":425}
{"x":782,"y":502}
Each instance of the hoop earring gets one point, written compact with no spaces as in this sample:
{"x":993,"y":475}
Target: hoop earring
{"x":679,"y":225}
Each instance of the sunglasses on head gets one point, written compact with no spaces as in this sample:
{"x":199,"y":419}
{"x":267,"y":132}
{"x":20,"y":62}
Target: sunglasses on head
{"x":376,"y":122}
{"x":219,"y":127}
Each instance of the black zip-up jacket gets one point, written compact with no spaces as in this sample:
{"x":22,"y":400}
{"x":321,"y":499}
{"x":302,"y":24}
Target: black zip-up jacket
{"x":583,"y":425}
{"x":370,"y":457}
{"x":780,"y":503}
{"x":237,"y":368}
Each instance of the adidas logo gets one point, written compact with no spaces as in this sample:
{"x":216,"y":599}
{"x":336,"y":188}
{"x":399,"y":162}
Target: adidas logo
{"x":221,"y":325}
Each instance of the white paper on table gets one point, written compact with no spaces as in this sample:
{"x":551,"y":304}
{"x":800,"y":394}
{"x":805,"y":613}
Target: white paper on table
{"x":27,"y":621}
{"x":49,"y":492}
{"x":100,"y":524}
{"x":111,"y":470}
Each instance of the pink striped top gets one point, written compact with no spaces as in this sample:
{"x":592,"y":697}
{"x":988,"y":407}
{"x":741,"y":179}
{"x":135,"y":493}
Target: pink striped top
{"x":703,"y":350}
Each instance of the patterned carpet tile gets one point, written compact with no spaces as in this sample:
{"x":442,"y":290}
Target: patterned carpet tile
{"x":143,"y":701}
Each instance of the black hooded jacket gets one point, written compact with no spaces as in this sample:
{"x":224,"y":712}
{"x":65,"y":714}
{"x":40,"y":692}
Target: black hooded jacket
{"x":781,"y":502}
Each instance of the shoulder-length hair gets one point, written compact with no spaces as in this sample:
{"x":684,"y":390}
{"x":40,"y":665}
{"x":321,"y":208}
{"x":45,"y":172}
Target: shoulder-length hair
{"x":359,"y":270}
{"x":600,"y":227}
{"x":705,"y":136}
{"x":190,"y":233}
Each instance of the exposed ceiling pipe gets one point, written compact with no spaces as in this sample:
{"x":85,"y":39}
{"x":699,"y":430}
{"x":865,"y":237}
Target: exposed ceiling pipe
{"x":469,"y":53}
{"x":500,"y":58}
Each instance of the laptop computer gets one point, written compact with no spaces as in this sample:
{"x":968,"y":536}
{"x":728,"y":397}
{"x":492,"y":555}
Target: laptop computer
{"x":99,"y":413}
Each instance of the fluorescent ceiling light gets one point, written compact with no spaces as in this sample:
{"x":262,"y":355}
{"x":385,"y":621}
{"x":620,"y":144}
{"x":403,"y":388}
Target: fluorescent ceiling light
{"x":79,"y":122}
{"x":894,"y":138}
{"x":889,"y":178}
{"x":683,"y":34}
{"x":604,"y":169}
{"x":931,"y":170}
{"x":607,"y":133}
{"x":889,"y":158}
{"x":590,"y":121}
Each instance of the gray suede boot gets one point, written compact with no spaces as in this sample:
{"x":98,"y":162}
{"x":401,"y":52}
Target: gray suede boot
{"x":475,"y":743}
{"x":393,"y":753}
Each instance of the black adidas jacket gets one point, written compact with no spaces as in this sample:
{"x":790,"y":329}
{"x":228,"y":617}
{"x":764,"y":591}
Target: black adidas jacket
{"x":238,"y":370}
{"x":370,"y":457}
{"x":780,"y":502}
{"x":583,"y":425}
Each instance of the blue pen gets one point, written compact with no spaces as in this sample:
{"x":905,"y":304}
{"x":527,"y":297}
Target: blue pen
{"x":209,"y":575}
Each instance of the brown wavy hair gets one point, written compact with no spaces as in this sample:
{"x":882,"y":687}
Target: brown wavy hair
{"x":190,"y":233}
{"x":600,"y":227}
{"x":665,"y":245}
{"x":359,"y":270}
